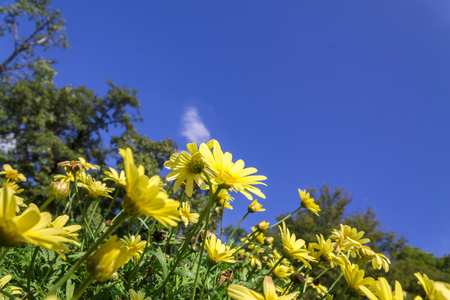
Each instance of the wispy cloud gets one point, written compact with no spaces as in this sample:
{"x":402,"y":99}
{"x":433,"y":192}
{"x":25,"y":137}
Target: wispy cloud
{"x":193,"y":127}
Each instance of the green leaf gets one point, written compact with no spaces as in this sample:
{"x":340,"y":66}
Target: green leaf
{"x":185,"y":273}
{"x":162,"y":260}
{"x":70,"y":287}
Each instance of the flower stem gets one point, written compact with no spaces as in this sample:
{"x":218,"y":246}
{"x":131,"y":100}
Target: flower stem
{"x":46,"y":203}
{"x":93,"y":212}
{"x":88,"y":229}
{"x":107,"y":211}
{"x":204,"y":281}
{"x":120,"y":218}
{"x":271,"y":270}
{"x":208,"y":209}
{"x":30,"y":269}
{"x":235,"y":228}
{"x":288,"y":216}
{"x":83,"y":287}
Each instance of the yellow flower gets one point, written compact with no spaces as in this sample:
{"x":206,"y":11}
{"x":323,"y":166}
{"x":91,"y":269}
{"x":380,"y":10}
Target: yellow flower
{"x":12,"y":174}
{"x":293,"y":248}
{"x":255,"y":206}
{"x":95,"y":188}
{"x":280,"y":271}
{"x":317,"y":286}
{"x":223,"y":198}
{"x":13,"y":290}
{"x":321,"y":250}
{"x":144,"y":195}
{"x":383,"y":291}
{"x":188,"y":168}
{"x":135,"y":246}
{"x":355,"y":278}
{"x":87,"y":165}
{"x":217,"y":251}
{"x":119,"y":179}
{"x":426,"y":283}
{"x":348,"y":238}
{"x":239,"y":292}
{"x":69,"y":231}
{"x":231,"y":175}
{"x":379,"y":260}
{"x":308,"y":202}
{"x":138,"y":296}
{"x":30,"y":227}
{"x":18,"y":200}
{"x":186,"y":216}
{"x":108,"y":259}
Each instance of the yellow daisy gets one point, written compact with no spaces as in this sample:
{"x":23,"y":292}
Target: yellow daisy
{"x":144,"y":195}
{"x":379,"y":260}
{"x":30,"y":227}
{"x":95,"y":188}
{"x":217,"y":251}
{"x":87,"y":165}
{"x":187,"y":168}
{"x":322,"y":249}
{"x":138,"y":296}
{"x":119,"y":179}
{"x":224,"y":198}
{"x":186,"y":216}
{"x":347,"y":239}
{"x":108,"y":259}
{"x":239,"y":292}
{"x":231,"y":175}
{"x":355,"y":278}
{"x":135,"y":245}
{"x":426,"y":283}
{"x":12,"y":174}
{"x":383,"y":291}
{"x":308,"y":202}
{"x":293,"y":248}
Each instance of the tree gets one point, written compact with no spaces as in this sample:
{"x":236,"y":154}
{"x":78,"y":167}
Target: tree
{"x":47,"y":32}
{"x":44,"y":124}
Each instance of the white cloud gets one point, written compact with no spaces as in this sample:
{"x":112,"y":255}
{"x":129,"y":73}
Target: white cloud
{"x":193,"y":127}
{"x":7,"y":143}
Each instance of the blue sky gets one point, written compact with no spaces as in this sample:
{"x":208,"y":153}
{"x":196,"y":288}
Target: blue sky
{"x":354,"y":94}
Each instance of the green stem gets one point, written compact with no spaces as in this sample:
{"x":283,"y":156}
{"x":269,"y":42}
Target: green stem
{"x":107,"y":211}
{"x":120,"y":218}
{"x":221,"y":222}
{"x":149,"y":236}
{"x":271,"y":270}
{"x":93,"y":212}
{"x":288,"y":287}
{"x":83,"y":287}
{"x":4,"y":252}
{"x":168,"y":239}
{"x":249,"y":238}
{"x":343,"y":292}
{"x":237,"y":226}
{"x":335,"y":284}
{"x":186,"y":244}
{"x":30,"y":269}
{"x":88,"y":229}
{"x":46,"y":203}
{"x":288,"y":216}
{"x":208,"y":209}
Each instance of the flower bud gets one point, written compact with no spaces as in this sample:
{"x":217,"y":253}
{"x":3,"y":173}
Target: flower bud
{"x":268,"y":241}
{"x":255,"y":206}
{"x":262,"y":226}
{"x":59,"y":189}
